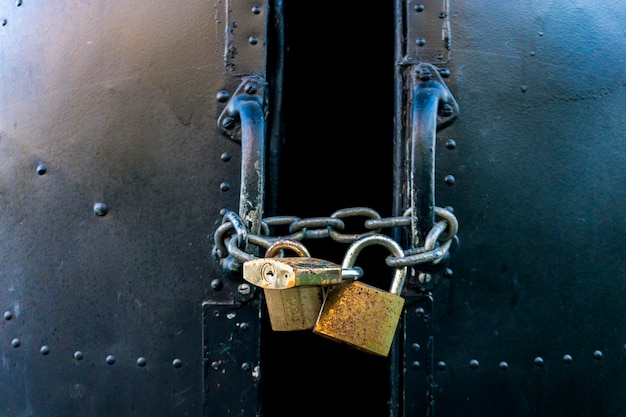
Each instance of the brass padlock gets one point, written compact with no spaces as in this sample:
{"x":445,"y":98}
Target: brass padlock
{"x":359,"y":314}
{"x":294,"y":307}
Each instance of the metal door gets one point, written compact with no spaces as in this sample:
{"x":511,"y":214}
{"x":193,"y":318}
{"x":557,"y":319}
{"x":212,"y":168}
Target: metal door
{"x":114,"y":172}
{"x":130,"y":138}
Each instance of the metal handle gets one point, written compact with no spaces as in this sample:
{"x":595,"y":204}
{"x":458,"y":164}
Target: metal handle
{"x":247,"y":107}
{"x":434,"y":108}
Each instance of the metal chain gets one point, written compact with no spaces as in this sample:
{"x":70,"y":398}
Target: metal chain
{"x":231,"y":237}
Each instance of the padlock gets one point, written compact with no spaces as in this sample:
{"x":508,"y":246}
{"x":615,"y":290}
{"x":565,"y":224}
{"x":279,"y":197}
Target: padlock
{"x":289,"y":272}
{"x":295,"y":307}
{"x":359,"y":314}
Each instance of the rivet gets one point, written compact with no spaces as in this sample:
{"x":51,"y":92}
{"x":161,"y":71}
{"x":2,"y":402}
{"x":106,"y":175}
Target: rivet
{"x":416,"y":364}
{"x":222,"y":96}
{"x":16,"y":342}
{"x":246,"y":366}
{"x":78,"y":355}
{"x":442,"y":15}
{"x":449,"y":208}
{"x":420,"y":311}
{"x":215,"y":365}
{"x":445,"y":72}
{"x":441,"y":365}
{"x":141,"y":361}
{"x":503,"y":366}
{"x":100,"y":209}
{"x":41,"y":169}
{"x":244,"y":326}
{"x":8,"y":315}
{"x":415,"y":346}
{"x":439,"y":56}
{"x":449,"y":179}
{"x":244,"y":289}
{"x":217,"y":284}
{"x":419,"y":7}
{"x":448,"y":272}
{"x":451,"y":144}
{"x":597,"y":354}
{"x":110,"y":359}
{"x":523,"y":88}
{"x":18,"y":3}
{"x":44,"y":350}
{"x":474,"y":364}
{"x":224,"y":186}
{"x":256,"y":9}
{"x":538,"y":361}
{"x":420,"y":41}
{"x":253,"y":40}
{"x":177,"y":363}
{"x":226,"y":157}
{"x":567,"y":358}
{"x":4,"y":22}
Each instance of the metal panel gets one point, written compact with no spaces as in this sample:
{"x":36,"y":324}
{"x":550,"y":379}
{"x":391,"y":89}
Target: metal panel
{"x":532,"y":320}
{"x":113,"y":174}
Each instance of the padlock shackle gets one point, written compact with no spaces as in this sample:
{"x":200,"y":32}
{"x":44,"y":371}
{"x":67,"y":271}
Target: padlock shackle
{"x":293,"y":245}
{"x":396,"y":250}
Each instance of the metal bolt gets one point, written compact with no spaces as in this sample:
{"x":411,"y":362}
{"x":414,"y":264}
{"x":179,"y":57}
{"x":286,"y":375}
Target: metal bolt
{"x":16,"y":342}
{"x":246,"y":366}
{"x":228,"y":123}
{"x":597,"y":354}
{"x":419,"y":7}
{"x":78,"y":355}
{"x":250,"y":88}
{"x":141,"y":362}
{"x":567,"y":358}
{"x":244,"y":289}
{"x":256,"y":9}
{"x":44,"y":350}
{"x":425,"y":74}
{"x":215,"y":365}
{"x":253,"y":40}
{"x":110,"y":359}
{"x":8,"y":315}
{"x":217,"y":284}
{"x":420,"y":41}
{"x":41,"y":169}
{"x":539,"y":361}
{"x":177,"y":363}
{"x":474,"y":364}
{"x":446,"y":110}
{"x":503,"y":366}
{"x":424,"y":277}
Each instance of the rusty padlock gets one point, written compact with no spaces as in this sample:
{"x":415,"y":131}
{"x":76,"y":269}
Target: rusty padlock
{"x":293,"y":287}
{"x":359,"y":314}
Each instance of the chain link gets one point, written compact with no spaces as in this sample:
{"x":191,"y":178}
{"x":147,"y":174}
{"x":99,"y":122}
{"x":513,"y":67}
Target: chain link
{"x":232,"y":238}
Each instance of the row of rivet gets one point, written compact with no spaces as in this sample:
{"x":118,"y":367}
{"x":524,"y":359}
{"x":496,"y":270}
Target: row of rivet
{"x":503,"y":365}
{"x":79,"y":355}
{"x":99,"y":209}
{"x":18,"y":3}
